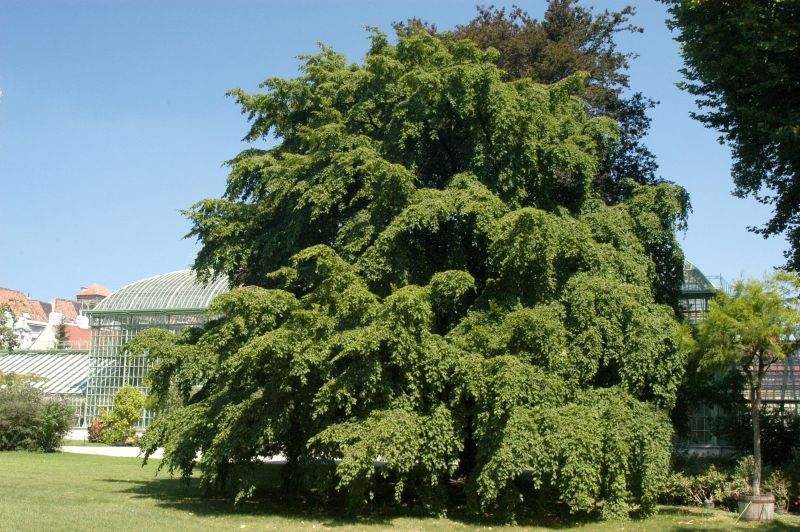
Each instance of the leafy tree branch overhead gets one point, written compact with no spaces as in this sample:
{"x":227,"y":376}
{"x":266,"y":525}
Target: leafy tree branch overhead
{"x":741,"y":65}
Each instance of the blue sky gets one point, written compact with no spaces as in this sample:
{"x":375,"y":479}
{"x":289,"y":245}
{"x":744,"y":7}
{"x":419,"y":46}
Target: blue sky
{"x":114,"y":116}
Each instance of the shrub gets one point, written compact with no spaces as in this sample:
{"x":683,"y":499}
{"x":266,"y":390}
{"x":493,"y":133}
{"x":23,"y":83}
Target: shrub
{"x":743,"y":473}
{"x":29,"y":421}
{"x":698,"y":480}
{"x":117,"y":425}
{"x":54,"y":424}
{"x":95,"y":430}
{"x":778,"y":485}
{"x":709,"y":486}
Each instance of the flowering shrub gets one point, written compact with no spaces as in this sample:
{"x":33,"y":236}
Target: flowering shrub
{"x":95,"y":430}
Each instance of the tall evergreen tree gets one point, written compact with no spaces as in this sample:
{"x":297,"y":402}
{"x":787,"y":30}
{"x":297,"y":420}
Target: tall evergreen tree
{"x":568,"y":39}
{"x":432,"y":279}
{"x":62,"y":336}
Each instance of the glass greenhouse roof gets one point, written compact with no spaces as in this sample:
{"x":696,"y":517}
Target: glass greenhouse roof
{"x":179,"y":290}
{"x":64,"y":372}
{"x":694,"y":281}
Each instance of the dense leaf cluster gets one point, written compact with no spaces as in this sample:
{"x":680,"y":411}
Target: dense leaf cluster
{"x":430,"y":282}
{"x":570,"y":38}
{"x":28,"y":420}
{"x":741,"y":65}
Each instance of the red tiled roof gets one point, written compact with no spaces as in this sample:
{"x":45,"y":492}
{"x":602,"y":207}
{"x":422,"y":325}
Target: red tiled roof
{"x":95,"y":289}
{"x":69,"y":309}
{"x":18,"y":304}
{"x":78,"y":338}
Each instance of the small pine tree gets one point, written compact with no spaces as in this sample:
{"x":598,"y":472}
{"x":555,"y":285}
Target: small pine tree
{"x":8,"y":340}
{"x":62,"y":336}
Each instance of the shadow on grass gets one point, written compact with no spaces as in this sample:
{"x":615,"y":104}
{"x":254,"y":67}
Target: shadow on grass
{"x":271,"y":500}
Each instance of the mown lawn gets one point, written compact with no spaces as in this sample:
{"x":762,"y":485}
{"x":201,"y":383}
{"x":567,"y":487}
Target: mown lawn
{"x":58,"y":491}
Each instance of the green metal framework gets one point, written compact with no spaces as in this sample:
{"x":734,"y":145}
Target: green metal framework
{"x":781,"y":384}
{"x":172,"y":301}
{"x":696,"y":292}
{"x":780,"y":387}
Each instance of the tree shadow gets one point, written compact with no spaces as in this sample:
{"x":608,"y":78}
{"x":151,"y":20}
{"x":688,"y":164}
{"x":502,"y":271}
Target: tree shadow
{"x":272,"y":500}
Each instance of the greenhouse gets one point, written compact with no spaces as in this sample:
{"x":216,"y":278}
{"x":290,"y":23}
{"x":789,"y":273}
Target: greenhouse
{"x":60,"y":374}
{"x":697,"y":290}
{"x":781,"y":385}
{"x":171,"y":301}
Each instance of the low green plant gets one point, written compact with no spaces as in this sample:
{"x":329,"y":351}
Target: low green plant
{"x":709,"y":486}
{"x":778,"y":485}
{"x":54,"y":423}
{"x":742,"y":482}
{"x":117,"y":424}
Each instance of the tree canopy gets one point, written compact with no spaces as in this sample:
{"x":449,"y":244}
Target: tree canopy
{"x":429,"y":277}
{"x":569,"y":39}
{"x":741,"y":64}
{"x":748,"y":331}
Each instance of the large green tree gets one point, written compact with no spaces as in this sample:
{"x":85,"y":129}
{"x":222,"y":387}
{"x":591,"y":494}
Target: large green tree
{"x":748,"y":331}
{"x":570,"y":38}
{"x":741,"y":64}
{"x":430,"y":278}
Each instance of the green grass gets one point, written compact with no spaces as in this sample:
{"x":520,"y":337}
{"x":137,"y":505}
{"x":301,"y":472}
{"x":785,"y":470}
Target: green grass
{"x":58,"y":491}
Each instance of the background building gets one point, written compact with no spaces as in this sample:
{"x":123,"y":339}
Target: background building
{"x":63,"y":373}
{"x":172,"y":301}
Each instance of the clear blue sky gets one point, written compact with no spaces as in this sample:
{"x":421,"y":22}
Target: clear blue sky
{"x":114,"y":116}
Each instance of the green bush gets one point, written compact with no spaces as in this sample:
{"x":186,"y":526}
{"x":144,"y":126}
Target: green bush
{"x":117,"y":425}
{"x":55,"y":421}
{"x":742,"y":482}
{"x":709,"y":486}
{"x":778,"y":485}
{"x":698,"y":480}
{"x":28,"y":420}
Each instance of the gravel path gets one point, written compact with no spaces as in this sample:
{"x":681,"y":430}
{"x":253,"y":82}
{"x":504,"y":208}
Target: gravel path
{"x":135,"y":452}
{"x":120,"y":452}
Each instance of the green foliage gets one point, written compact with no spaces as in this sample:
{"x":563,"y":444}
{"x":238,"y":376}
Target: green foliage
{"x":569,"y":39}
{"x":8,"y":340}
{"x":62,"y":336}
{"x":740,"y":62}
{"x":434,"y":286}
{"x":29,"y":421}
{"x":748,"y":331}
{"x":778,"y":485}
{"x":706,"y":487}
{"x":722,"y":481}
{"x":752,"y":327}
{"x":118,"y":423}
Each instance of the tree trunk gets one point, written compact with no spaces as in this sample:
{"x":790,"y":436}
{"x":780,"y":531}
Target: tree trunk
{"x":755,"y":412}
